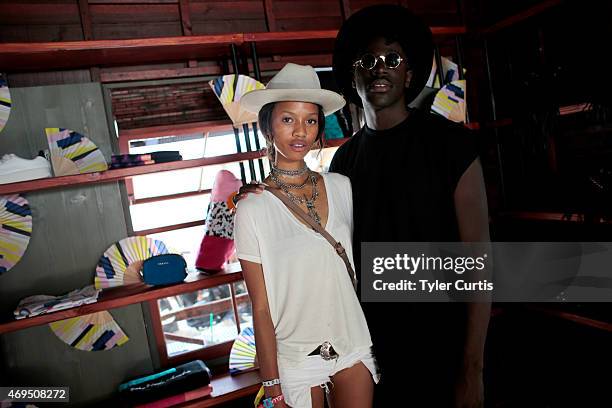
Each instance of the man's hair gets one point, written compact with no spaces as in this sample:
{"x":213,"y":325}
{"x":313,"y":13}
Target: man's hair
{"x":265,"y":125}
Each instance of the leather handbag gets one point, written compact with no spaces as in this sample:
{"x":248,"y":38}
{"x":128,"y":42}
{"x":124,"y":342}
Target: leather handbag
{"x":164,"y":269}
{"x":313,"y":224}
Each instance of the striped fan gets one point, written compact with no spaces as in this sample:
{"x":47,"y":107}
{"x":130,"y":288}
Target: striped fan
{"x":122,"y":262}
{"x":92,"y":332}
{"x":450,"y":101}
{"x":5,"y":102}
{"x":229,"y":89}
{"x":73,"y":153}
{"x":15,"y":230}
{"x":242,"y":356}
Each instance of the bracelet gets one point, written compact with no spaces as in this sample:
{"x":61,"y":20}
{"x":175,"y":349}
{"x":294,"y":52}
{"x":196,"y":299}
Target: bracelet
{"x":270,"y":402}
{"x":271,"y":383}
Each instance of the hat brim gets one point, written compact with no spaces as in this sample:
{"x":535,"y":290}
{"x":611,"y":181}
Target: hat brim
{"x":328,"y":100}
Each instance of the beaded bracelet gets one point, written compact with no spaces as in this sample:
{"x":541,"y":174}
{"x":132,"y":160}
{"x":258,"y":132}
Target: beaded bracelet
{"x":271,"y":383}
{"x":270,"y":402}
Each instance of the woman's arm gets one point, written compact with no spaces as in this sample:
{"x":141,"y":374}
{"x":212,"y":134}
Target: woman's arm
{"x":265,"y":337}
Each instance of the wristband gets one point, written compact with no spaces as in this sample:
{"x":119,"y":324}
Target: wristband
{"x":271,"y":383}
{"x":270,"y":402}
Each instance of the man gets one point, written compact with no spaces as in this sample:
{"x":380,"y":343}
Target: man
{"x":415,"y":178}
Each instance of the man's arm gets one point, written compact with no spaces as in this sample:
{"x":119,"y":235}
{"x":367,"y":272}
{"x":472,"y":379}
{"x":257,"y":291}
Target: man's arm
{"x":473,"y":221}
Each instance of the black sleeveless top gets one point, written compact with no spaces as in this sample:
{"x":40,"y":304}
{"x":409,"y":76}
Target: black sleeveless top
{"x":403,"y":181}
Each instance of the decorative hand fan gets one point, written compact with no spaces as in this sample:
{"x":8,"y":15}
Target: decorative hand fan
{"x":15,"y":230}
{"x":5,"y":102}
{"x":229,"y":89}
{"x":122,"y":262}
{"x":242,"y":357}
{"x":73,"y":153}
{"x":450,"y":72}
{"x":92,"y":332}
{"x":450,"y":101}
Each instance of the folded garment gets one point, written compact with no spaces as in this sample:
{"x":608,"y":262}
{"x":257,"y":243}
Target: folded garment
{"x":168,"y":154}
{"x":41,"y":304}
{"x":171,"y":382}
{"x":131,"y":164}
{"x":126,"y":158}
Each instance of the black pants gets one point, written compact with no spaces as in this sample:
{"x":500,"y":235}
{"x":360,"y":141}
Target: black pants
{"x":419,"y":349}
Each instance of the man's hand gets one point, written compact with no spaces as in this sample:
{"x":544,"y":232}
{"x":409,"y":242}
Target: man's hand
{"x":253,"y":187}
{"x":469,"y":389}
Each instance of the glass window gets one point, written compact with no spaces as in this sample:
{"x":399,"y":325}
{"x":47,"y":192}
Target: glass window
{"x":200,"y":319}
{"x":185,"y":241}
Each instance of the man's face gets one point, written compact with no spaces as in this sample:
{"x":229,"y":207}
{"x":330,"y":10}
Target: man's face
{"x":382,"y":87}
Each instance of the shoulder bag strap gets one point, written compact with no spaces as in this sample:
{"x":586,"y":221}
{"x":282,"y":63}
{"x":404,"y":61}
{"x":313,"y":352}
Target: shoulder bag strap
{"x":313,"y":224}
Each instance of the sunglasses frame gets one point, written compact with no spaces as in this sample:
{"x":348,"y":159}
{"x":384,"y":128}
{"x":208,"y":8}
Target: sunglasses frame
{"x":359,"y":62}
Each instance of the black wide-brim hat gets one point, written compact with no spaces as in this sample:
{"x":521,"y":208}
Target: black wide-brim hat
{"x":394,"y":23}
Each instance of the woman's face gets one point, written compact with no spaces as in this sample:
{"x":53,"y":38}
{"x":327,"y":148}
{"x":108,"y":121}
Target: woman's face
{"x":295,"y":126}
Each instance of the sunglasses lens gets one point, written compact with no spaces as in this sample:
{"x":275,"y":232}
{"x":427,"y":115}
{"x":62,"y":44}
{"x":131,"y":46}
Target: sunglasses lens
{"x":368,"y":61}
{"x":392,"y":60}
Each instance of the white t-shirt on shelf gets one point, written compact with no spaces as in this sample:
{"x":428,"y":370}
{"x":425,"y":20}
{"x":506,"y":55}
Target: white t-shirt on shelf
{"x":309,"y":291}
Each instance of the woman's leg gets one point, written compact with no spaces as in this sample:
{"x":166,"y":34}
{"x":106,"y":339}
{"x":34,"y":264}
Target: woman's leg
{"x":317,"y":395}
{"x":353,"y":388}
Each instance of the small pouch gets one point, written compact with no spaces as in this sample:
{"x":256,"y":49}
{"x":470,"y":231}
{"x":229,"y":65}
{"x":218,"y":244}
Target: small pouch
{"x":164,"y":269}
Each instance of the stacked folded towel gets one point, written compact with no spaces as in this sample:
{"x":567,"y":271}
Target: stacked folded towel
{"x":130,"y":160}
{"x":41,"y":304}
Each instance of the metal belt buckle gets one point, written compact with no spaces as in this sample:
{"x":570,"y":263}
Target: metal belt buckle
{"x":326,"y":351}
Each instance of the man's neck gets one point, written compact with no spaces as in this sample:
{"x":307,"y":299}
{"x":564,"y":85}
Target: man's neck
{"x":385,"y":118}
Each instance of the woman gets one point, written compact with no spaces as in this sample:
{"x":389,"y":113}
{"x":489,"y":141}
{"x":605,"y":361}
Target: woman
{"x":310,"y":330}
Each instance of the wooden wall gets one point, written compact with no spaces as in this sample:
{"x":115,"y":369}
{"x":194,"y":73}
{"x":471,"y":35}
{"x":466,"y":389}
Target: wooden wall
{"x":71,"y":229}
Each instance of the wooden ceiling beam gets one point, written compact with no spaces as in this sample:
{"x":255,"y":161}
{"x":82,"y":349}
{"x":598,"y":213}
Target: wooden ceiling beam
{"x":15,"y":57}
{"x":83,"y":54}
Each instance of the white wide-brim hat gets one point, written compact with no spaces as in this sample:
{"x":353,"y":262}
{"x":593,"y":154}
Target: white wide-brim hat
{"x":295,"y":83}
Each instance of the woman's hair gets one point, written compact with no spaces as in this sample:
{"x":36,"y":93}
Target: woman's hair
{"x":265,"y":125}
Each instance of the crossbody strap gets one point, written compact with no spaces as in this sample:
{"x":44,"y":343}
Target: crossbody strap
{"x":313,"y":224}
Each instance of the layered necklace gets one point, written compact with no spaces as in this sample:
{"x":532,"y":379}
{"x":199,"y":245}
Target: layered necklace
{"x":286,"y":187}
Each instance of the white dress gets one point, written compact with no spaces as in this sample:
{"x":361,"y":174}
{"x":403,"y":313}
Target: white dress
{"x":309,"y":291}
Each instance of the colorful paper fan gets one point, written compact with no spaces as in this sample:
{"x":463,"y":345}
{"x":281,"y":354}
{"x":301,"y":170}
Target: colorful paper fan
{"x":121,"y":263}
{"x":15,"y":230}
{"x":73,"y":153}
{"x":5,"y":102}
{"x":450,"y":101}
{"x":229,"y":89}
{"x":92,"y":332}
{"x":450,"y":72}
{"x":242,"y":356}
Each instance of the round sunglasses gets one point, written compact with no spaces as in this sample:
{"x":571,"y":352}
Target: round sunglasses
{"x":368,"y":61}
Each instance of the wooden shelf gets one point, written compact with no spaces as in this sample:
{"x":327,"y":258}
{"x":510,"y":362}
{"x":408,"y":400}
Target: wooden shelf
{"x":520,"y":17}
{"x":228,"y":388}
{"x":128,"y":295}
{"x":15,"y":57}
{"x":121,"y":174}
{"x":335,"y":142}
{"x":546,"y":216}
{"x":585,"y":321}
{"x":489,"y":125}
